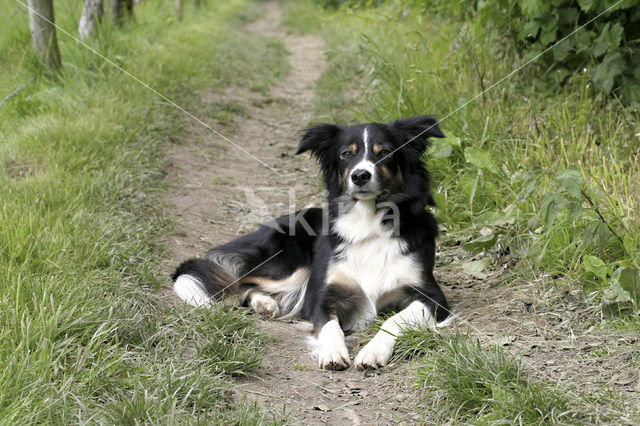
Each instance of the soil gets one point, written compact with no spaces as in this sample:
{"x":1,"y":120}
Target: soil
{"x":212,"y":186}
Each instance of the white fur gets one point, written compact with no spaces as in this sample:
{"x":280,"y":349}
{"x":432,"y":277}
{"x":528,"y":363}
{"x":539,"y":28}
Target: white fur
{"x":289,"y":292}
{"x":191,"y":290}
{"x":331,"y":349}
{"x":365,"y":165}
{"x":377,"y":352}
{"x":365,"y":139}
{"x":264,"y":305}
{"x":371,"y":258}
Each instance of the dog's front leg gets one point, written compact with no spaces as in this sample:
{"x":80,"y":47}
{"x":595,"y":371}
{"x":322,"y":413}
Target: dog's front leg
{"x":377,"y":352}
{"x":332,"y":353}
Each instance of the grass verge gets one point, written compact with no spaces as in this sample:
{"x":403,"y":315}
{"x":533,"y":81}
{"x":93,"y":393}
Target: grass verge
{"x":84,"y":336}
{"x":550,"y":179}
{"x":488,"y":385}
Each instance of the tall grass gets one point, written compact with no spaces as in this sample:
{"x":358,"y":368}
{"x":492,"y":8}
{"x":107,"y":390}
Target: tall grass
{"x":84,"y":337}
{"x":555,"y":175}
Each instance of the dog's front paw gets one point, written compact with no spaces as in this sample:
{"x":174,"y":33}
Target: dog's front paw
{"x":265,"y":305}
{"x":375,"y":354}
{"x":334,"y":357}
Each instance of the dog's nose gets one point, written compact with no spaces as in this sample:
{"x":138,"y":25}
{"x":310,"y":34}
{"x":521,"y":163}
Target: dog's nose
{"x":360,"y":177}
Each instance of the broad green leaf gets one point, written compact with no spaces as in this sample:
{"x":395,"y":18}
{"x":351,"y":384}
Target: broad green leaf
{"x":575,"y":208}
{"x":629,"y":280}
{"x":548,"y":21}
{"x":598,"y":233}
{"x":440,"y":149}
{"x":531,"y":29}
{"x":596,"y":266}
{"x":451,"y":140}
{"x":549,"y":207}
{"x":476,"y":268}
{"x":567,"y":15}
{"x":581,"y":40}
{"x":609,"y":39}
{"x":483,"y":243}
{"x":605,"y":73}
{"x":569,"y":181}
{"x":534,"y":8}
{"x":481,"y":159}
{"x":548,"y":37}
{"x":587,"y":5}
{"x":616,"y":294}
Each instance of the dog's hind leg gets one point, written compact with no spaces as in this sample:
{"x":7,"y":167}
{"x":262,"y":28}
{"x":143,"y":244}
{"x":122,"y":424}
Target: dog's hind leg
{"x":201,"y":281}
{"x":263,"y":304}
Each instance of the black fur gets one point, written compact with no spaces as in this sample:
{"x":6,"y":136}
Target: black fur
{"x":304,"y":243}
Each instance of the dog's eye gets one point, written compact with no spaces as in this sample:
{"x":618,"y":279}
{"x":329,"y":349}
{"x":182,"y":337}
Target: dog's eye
{"x":346,"y":154}
{"x":385,"y":152}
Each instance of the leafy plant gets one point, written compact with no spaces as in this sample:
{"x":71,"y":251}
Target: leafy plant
{"x":598,"y":37}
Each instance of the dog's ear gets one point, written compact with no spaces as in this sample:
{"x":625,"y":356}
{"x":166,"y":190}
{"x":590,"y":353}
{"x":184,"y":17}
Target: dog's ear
{"x":318,"y":138}
{"x":416,"y":129}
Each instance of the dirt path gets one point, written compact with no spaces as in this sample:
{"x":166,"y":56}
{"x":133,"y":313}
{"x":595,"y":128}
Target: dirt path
{"x":213,"y":184}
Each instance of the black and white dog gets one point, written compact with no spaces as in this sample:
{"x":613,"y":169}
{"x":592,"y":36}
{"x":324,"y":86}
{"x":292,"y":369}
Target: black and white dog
{"x":371,"y":248}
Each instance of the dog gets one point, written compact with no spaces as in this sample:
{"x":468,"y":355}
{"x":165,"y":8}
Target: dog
{"x":371,"y":248}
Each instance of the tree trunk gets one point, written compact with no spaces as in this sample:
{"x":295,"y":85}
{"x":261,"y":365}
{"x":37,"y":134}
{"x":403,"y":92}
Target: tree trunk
{"x":43,"y":32}
{"x":178,"y":5}
{"x":121,"y":9}
{"x":91,"y":16}
{"x":198,"y":4}
{"x":128,"y":8}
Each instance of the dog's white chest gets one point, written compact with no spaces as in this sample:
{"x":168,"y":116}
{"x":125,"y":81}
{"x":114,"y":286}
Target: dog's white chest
{"x":372,"y":257}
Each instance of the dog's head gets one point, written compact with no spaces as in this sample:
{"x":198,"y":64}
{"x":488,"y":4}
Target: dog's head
{"x":374,"y":160}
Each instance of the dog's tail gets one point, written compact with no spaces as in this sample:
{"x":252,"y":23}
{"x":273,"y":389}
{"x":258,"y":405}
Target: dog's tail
{"x":200,"y":281}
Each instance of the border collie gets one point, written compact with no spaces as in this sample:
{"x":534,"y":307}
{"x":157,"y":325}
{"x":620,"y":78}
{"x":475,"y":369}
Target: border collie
{"x":371,"y":248}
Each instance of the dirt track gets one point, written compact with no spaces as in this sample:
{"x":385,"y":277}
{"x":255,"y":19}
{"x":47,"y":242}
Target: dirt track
{"x":213,"y":184}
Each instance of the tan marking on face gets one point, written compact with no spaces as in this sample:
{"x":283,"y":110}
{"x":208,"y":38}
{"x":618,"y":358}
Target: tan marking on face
{"x":386,"y":172}
{"x":354,"y":148}
{"x":377,"y":148}
{"x":343,"y":178}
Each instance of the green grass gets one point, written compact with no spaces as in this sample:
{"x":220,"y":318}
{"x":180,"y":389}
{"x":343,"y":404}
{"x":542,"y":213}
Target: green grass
{"x":553,"y":174}
{"x":479,"y":385}
{"x":84,"y":335}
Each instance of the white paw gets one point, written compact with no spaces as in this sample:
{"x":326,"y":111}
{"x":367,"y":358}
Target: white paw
{"x":332,"y":352}
{"x":375,"y":354}
{"x":265,"y":305}
{"x":333,"y":357}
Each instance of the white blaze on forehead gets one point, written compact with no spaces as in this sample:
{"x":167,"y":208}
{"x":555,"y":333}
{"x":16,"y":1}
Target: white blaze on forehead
{"x":365,"y":164}
{"x":365,"y":138}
